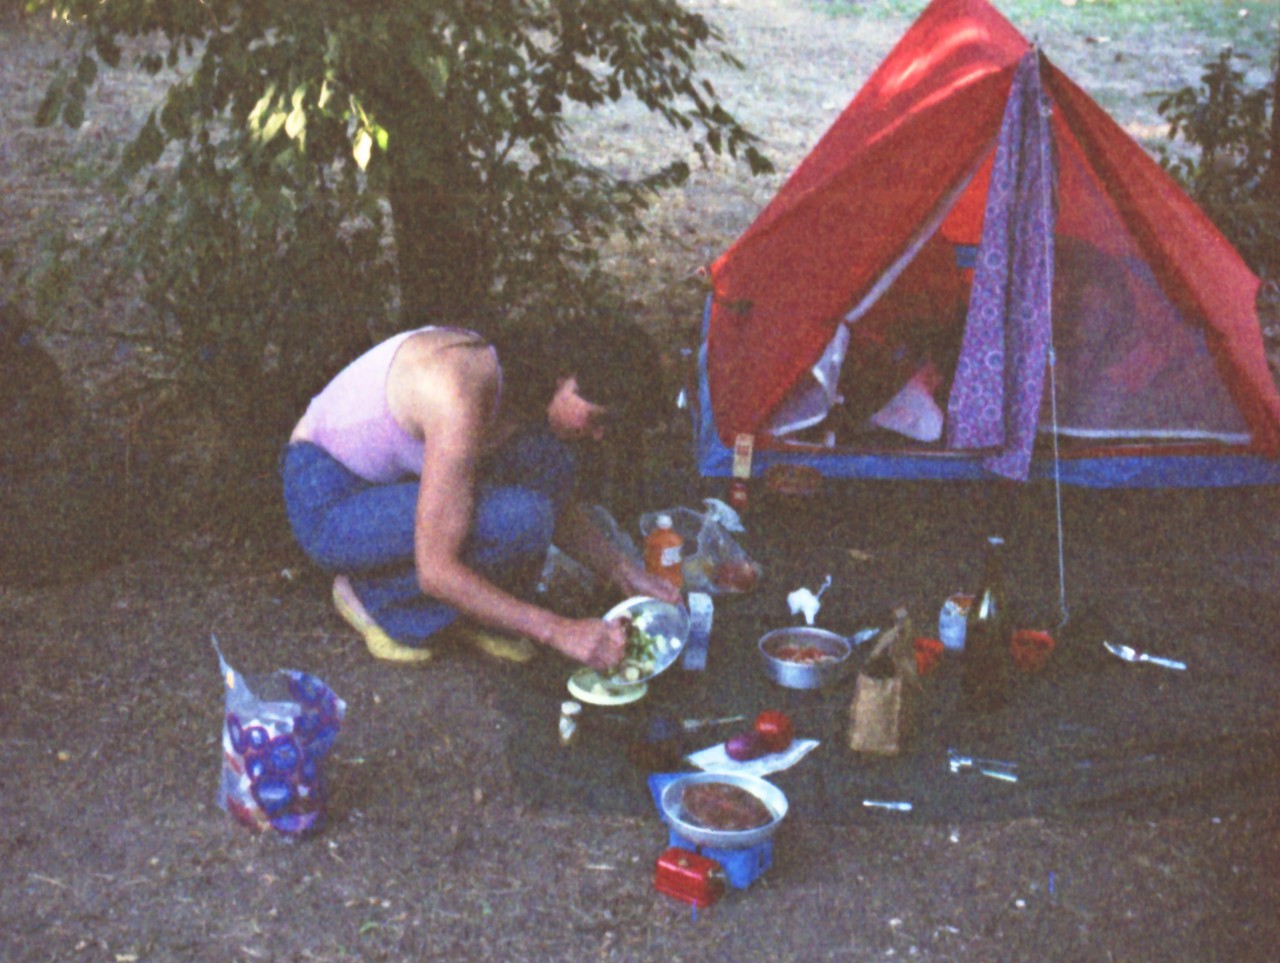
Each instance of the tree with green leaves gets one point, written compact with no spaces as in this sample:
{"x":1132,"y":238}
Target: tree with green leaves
{"x":1233,"y":166}
{"x":293,"y":127}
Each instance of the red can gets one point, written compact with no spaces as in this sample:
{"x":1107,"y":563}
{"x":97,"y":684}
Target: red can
{"x":689,"y":877}
{"x":738,"y":494}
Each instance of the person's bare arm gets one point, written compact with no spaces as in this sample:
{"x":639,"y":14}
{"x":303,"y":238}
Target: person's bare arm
{"x":450,"y":403}
{"x":578,"y":535}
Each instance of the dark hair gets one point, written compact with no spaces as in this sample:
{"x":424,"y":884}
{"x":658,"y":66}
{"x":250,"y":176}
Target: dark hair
{"x":616,"y":363}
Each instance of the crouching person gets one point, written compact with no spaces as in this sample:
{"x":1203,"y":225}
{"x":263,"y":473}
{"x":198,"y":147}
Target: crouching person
{"x":432,"y":474}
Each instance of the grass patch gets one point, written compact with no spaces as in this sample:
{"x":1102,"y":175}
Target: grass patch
{"x":1125,"y":53}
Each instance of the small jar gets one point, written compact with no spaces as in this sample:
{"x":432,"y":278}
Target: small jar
{"x":569,"y":713}
{"x":951,"y":622}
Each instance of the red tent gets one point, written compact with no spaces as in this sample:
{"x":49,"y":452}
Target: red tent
{"x":879,"y":218}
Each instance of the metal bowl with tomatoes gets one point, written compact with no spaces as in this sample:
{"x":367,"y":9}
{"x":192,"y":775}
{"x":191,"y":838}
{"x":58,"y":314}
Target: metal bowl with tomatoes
{"x":803,"y":657}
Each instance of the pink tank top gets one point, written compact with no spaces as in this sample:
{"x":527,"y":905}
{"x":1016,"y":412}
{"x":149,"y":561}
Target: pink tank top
{"x":351,"y":421}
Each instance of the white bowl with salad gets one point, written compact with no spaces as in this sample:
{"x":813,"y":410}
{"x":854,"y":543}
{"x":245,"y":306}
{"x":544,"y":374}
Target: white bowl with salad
{"x":656,"y":633}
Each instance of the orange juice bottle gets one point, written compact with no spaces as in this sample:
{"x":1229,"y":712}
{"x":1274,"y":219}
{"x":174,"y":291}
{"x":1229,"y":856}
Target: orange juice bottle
{"x":662,"y":549}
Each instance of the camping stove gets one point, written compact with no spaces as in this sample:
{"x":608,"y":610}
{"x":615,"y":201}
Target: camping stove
{"x":741,"y":867}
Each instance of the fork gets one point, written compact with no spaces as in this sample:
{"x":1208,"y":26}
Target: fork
{"x":1130,"y":654}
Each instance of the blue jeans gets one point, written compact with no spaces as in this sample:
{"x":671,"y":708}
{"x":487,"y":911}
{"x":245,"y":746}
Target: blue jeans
{"x":366,"y":530}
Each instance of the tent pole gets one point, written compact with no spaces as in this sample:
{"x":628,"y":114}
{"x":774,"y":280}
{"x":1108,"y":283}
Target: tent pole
{"x":1057,"y":486}
{"x":1046,"y":159}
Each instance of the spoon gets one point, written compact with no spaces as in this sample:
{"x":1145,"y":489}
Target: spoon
{"x":1130,"y":654}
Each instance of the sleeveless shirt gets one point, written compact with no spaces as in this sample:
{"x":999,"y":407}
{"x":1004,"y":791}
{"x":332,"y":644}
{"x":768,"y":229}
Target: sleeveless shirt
{"x":350,"y":418}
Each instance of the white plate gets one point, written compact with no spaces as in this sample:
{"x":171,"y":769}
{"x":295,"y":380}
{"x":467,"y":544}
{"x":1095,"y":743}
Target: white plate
{"x":587,"y":686}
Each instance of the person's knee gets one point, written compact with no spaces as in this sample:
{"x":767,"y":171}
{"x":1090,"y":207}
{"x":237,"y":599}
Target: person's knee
{"x":538,"y":461}
{"x":529,"y":520}
{"x":513,"y":522}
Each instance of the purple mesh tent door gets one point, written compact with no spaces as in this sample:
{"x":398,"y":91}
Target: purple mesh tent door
{"x":999,"y":383}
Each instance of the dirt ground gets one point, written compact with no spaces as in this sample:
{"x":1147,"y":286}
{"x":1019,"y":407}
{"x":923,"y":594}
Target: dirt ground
{"x":110,"y":707}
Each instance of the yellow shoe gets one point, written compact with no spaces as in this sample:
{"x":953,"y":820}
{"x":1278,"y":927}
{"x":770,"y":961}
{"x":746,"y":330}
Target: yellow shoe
{"x":381,"y":646}
{"x":509,"y":648}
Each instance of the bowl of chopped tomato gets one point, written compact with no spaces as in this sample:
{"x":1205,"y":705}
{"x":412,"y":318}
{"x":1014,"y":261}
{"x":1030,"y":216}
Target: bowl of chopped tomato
{"x":803,"y":657}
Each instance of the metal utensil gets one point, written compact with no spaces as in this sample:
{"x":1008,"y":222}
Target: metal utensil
{"x":993,"y":768}
{"x":670,"y":725}
{"x":901,"y":807}
{"x":689,"y":725}
{"x":1130,"y":654}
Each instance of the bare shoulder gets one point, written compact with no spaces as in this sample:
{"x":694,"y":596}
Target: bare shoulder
{"x":442,"y":375}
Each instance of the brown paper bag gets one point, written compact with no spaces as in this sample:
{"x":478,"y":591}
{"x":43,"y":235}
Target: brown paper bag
{"x":882,"y":715}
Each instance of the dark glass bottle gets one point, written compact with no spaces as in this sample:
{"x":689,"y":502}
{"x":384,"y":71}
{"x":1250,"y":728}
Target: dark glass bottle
{"x":984,"y":678}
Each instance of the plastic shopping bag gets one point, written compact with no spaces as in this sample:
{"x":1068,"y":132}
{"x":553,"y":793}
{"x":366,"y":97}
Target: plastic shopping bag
{"x":275,"y":735}
{"x":713,"y":561}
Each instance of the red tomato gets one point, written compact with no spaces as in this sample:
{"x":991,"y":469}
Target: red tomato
{"x":928,"y":655}
{"x":736,"y":575}
{"x":774,"y":730}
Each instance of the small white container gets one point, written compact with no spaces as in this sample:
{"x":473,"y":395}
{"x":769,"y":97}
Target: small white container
{"x":569,"y":715}
{"x":951,"y":622}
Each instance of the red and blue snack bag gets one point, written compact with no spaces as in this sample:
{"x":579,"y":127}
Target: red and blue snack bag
{"x":275,"y":735}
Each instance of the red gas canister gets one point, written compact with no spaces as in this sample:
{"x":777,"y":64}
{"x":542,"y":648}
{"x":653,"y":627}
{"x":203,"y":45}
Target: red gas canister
{"x":689,"y":877}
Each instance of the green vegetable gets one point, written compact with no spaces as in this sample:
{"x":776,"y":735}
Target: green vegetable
{"x":643,"y":652}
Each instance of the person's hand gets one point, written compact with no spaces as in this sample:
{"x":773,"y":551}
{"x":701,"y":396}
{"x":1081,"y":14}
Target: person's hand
{"x":593,"y":642}
{"x":633,"y":580}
